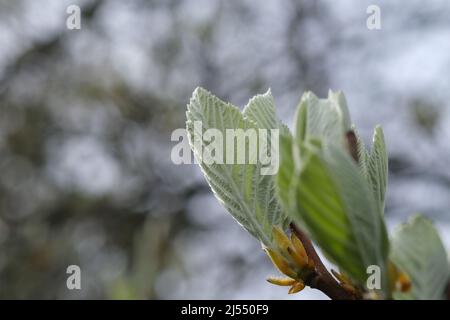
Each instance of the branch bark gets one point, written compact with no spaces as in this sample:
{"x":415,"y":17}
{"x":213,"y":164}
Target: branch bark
{"x":321,"y":279}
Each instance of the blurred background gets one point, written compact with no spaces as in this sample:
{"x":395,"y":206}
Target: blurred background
{"x":86,"y":117}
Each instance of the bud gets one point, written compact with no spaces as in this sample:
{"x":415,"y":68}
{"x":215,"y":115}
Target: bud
{"x":281,"y":263}
{"x":281,"y":239}
{"x":297,"y":287}
{"x":403,"y":283}
{"x":281,"y":281}
{"x":298,"y":246}
{"x":399,"y":280}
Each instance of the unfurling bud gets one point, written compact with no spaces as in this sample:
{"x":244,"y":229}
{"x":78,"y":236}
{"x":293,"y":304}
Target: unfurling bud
{"x":285,"y":282}
{"x":352,"y":144}
{"x":297,"y":287}
{"x":281,"y":239}
{"x":299,"y":252}
{"x":293,"y":247}
{"x":281,"y":263}
{"x":290,"y":258}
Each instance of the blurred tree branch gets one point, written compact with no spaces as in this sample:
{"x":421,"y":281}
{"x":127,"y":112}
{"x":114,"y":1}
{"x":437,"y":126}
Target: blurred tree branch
{"x":44,"y":50}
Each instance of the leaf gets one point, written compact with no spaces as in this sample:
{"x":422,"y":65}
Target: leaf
{"x":339,"y":99}
{"x":247,"y":195}
{"x":418,"y":250}
{"x":261,"y":110}
{"x":323,"y":190}
{"x":335,"y":206}
{"x":315,"y":118}
{"x":322,"y":118}
{"x":284,"y":179}
{"x":374,"y":167}
{"x":377,"y":168}
{"x":363,"y":154}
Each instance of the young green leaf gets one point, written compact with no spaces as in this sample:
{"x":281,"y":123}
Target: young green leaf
{"x":285,"y":179}
{"x":373,"y":166}
{"x":335,"y":206}
{"x":324,"y":191}
{"x":247,"y":195}
{"x":338,"y":98}
{"x":363,"y":154}
{"x":326,"y":119}
{"x":261,"y":110}
{"x":322,"y":118}
{"x":377,"y":168}
{"x":418,"y":250}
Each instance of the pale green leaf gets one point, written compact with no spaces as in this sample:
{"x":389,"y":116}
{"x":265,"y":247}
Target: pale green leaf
{"x":326,"y":119}
{"x":332,"y":198}
{"x":338,"y":98}
{"x":335,"y":206}
{"x":363,"y":155}
{"x":377,"y":168}
{"x":418,"y":250}
{"x":261,"y":110}
{"x":247,"y":195}
{"x":374,"y":165}
{"x":286,"y":172}
{"x":374,"y":168}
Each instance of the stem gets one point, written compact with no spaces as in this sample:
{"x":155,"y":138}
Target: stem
{"x":321,"y":279}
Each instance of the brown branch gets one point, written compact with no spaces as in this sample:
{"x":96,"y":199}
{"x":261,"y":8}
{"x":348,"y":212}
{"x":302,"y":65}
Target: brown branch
{"x":321,"y":279}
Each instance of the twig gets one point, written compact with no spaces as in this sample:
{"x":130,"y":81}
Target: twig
{"x":321,"y":279}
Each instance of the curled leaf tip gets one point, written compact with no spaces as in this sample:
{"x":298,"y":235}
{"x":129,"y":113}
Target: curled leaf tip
{"x":281,"y":281}
{"x":297,"y":287}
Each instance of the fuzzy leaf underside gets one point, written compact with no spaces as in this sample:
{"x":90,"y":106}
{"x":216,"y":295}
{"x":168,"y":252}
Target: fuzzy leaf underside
{"x":247,"y":195}
{"x":324,"y":191}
